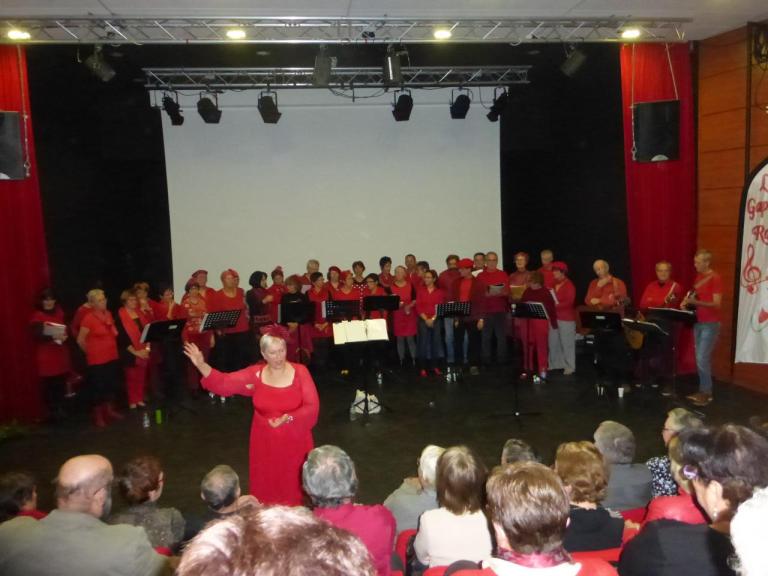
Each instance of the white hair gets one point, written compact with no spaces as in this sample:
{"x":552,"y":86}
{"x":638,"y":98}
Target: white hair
{"x":428,"y":465}
{"x":748,"y":534}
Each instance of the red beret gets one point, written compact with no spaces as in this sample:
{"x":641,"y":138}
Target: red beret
{"x":334,"y":268}
{"x":466,"y":263}
{"x":561,"y":266}
{"x":345,"y":274}
{"x":196,"y":272}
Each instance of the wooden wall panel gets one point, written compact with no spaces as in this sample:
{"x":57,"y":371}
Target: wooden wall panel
{"x":722,"y":53}
{"x":723,"y":131}
{"x":756,"y":155}
{"x":721,"y":169}
{"x":719,"y":206}
{"x":725,"y":91}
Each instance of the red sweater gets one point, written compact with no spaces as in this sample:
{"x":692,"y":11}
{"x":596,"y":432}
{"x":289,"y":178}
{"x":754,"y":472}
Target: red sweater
{"x":426,"y":301}
{"x":495,"y":303}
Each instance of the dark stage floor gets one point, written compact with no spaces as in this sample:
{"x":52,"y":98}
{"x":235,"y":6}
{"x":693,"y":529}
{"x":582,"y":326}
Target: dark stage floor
{"x":475,"y":411}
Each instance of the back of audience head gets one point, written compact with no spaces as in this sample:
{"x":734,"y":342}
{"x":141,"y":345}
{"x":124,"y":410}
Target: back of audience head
{"x":329,"y":477}
{"x":528,"y":507}
{"x":675,"y":453}
{"x":679,"y":419}
{"x":275,"y":541}
{"x":84,"y":484}
{"x":428,"y":465}
{"x":748,"y":534}
{"x":583,"y":471}
{"x":141,"y":480}
{"x":220,"y":488}
{"x":616,"y":442}
{"x":460,"y":480}
{"x":517,"y":450}
{"x":18,"y":491}
{"x":726,"y":465}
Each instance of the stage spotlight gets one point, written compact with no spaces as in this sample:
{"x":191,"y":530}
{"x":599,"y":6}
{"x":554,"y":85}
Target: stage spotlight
{"x":16,"y":34}
{"x":573,"y":63}
{"x":322,"y":72}
{"x":392,"y":74}
{"x":460,"y":104}
{"x":499,"y":104}
{"x":173,"y":110}
{"x":442,"y":34}
{"x":208,"y":110}
{"x":99,"y":66}
{"x":631,"y":33}
{"x":268,"y":107}
{"x":402,"y":106}
{"x":236,"y":34}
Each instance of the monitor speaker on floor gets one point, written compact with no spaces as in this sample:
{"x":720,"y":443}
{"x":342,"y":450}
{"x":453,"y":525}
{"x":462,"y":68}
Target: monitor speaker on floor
{"x":656,"y":131}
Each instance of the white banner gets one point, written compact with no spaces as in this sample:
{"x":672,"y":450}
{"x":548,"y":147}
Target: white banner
{"x":752,"y":327}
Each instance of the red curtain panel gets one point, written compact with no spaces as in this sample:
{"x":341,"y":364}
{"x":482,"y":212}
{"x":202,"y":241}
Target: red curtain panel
{"x":661,"y":196}
{"x":23,"y":258}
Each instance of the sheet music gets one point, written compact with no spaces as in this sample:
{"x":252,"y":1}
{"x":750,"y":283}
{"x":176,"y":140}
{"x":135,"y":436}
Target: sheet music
{"x":54,"y":330}
{"x":359,"y":331}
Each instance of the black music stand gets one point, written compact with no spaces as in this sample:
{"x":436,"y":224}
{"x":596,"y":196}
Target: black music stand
{"x":677,"y":318}
{"x":299,"y":312}
{"x":220,"y":320}
{"x":603,"y":323}
{"x":453,"y":309}
{"x":338,"y":310}
{"x":388,"y":303}
{"x":168,"y":334}
{"x":529,"y":311}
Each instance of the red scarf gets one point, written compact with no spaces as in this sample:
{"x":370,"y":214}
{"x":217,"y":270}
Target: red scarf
{"x":129,"y":324}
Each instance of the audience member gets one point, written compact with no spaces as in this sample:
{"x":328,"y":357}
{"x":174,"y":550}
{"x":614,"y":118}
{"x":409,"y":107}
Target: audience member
{"x":458,"y":529}
{"x":725,"y":464}
{"x":416,"y":495}
{"x":585,"y":475}
{"x":220,"y":490}
{"x":528,"y":507}
{"x":516,"y":450}
{"x":681,"y":506}
{"x":141,"y":485}
{"x":662,"y":481}
{"x":18,"y":496}
{"x":629,"y":486}
{"x":73,"y":539}
{"x":275,"y":541}
{"x":748,"y":534}
{"x":330,"y":481}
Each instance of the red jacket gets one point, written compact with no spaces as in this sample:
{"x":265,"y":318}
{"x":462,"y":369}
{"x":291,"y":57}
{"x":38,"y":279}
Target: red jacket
{"x":426,"y":301}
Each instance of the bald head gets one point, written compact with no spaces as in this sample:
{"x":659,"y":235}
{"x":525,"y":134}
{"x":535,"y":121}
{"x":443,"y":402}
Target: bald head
{"x":84,"y":485}
{"x":601,"y":268}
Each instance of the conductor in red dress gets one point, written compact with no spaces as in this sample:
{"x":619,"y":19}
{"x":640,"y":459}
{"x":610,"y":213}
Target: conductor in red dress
{"x":285,"y":409}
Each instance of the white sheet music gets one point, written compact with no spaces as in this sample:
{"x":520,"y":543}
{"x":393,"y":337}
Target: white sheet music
{"x":360,"y":331}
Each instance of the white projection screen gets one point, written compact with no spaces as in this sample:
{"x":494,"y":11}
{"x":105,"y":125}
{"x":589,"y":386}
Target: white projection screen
{"x":334,"y":180}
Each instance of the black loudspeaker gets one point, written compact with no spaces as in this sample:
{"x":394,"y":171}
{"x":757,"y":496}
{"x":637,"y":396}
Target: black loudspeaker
{"x":11,"y":157}
{"x":656,"y":131}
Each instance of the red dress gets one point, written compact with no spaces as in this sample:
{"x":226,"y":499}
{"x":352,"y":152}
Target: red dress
{"x":276,"y":454}
{"x":318,"y":298}
{"x":276,"y":291}
{"x":403,"y":324}
{"x":52,"y":358}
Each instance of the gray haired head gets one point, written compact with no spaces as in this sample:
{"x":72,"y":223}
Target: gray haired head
{"x":516,"y":450}
{"x":220,"y":487}
{"x":615,"y":442}
{"x":329,"y":477}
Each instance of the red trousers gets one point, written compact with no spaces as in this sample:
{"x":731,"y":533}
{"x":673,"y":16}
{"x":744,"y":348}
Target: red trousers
{"x":136,"y":381}
{"x":536,"y":341}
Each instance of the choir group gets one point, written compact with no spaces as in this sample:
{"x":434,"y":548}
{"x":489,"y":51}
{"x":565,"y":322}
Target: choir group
{"x":114,"y":351}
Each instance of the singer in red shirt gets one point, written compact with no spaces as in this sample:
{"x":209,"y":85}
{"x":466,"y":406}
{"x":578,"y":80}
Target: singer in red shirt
{"x":322,"y":329}
{"x":233,"y":345}
{"x":606,"y":292}
{"x":495,"y":285}
{"x":562,"y":341}
{"x":547,"y":267}
{"x":134,"y":353}
{"x":538,"y":329}
{"x":404,"y":320}
{"x":430,"y":341}
{"x":466,"y":288}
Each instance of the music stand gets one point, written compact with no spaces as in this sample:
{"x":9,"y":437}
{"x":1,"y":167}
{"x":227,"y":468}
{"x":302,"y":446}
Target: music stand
{"x":453,"y":309}
{"x":299,"y":312}
{"x":678,"y":318}
{"x":338,"y":310}
{"x":220,"y":320}
{"x":379,"y":304}
{"x":168,"y":332}
{"x":600,"y":321}
{"x":529,"y":311}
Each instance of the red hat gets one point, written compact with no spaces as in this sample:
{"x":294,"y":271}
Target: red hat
{"x":275,"y":331}
{"x":231,"y":272}
{"x":334,"y":268}
{"x":277,"y":271}
{"x":466,"y":263}
{"x":196,"y":272}
{"x":561,"y":266}
{"x":345,"y":274}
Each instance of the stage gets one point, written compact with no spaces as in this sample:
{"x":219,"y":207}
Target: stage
{"x":476,"y":411}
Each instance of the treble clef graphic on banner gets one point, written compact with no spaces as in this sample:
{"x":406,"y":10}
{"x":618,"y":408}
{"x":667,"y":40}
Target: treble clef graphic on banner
{"x":751,"y":275}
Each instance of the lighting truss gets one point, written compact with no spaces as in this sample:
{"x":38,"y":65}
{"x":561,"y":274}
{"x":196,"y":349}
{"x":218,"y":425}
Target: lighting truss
{"x":214,"y":79}
{"x":346,"y":30}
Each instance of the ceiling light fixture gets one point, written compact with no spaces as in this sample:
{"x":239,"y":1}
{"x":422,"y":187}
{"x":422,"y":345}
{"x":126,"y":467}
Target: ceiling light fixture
{"x":460,"y":104}
{"x":630,"y":33}
{"x":392,"y":74}
{"x":500,"y":101}
{"x":442,"y":34}
{"x":16,"y":34}
{"x":236,"y":34}
{"x":402,"y":106}
{"x":172,"y":108}
{"x":209,"y":109}
{"x":268,"y":107}
{"x":99,"y":66}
